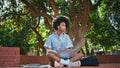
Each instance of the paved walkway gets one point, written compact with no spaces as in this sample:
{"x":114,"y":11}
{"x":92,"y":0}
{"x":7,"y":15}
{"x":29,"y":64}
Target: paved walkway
{"x":112,"y":65}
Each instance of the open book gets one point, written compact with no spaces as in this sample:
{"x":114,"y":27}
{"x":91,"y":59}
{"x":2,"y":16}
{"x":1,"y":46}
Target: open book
{"x":67,"y":53}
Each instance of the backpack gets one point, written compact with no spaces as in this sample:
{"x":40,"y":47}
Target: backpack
{"x":89,"y":61}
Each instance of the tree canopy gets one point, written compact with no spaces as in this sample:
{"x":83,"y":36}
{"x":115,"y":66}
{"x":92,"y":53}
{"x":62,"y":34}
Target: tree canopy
{"x":27,"y":23}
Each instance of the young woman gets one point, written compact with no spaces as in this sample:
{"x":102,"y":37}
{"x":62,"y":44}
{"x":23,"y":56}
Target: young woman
{"x":60,"y":41}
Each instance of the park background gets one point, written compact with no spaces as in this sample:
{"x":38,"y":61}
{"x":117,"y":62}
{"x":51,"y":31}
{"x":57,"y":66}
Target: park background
{"x":94,"y":25}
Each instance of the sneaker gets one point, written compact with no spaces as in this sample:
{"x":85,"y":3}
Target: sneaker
{"x":76,"y":63}
{"x":58,"y":64}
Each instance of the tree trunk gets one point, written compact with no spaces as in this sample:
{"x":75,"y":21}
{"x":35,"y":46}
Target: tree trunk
{"x":40,"y":39}
{"x":80,"y":26}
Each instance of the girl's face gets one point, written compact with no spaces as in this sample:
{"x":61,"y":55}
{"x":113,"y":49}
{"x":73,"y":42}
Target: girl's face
{"x":62,"y":27}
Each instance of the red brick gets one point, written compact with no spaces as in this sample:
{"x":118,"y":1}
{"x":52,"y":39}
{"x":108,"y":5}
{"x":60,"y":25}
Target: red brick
{"x":7,"y":64}
{"x":7,"y":53}
{"x":9,"y":50}
{"x":9,"y":56}
{"x":34,"y":59}
{"x":108,"y":59}
{"x":7,"y":60}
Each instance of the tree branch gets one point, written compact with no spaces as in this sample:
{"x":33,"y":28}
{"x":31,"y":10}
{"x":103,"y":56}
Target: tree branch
{"x":39,"y":37}
{"x":52,"y":3}
{"x":94,"y":7}
{"x":45,"y":14}
{"x":72,"y":13}
{"x":32,"y":9}
{"x":47,"y":25}
{"x":115,"y":29}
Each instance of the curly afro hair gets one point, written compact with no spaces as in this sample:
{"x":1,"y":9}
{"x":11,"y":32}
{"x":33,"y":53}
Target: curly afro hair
{"x":59,"y":19}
